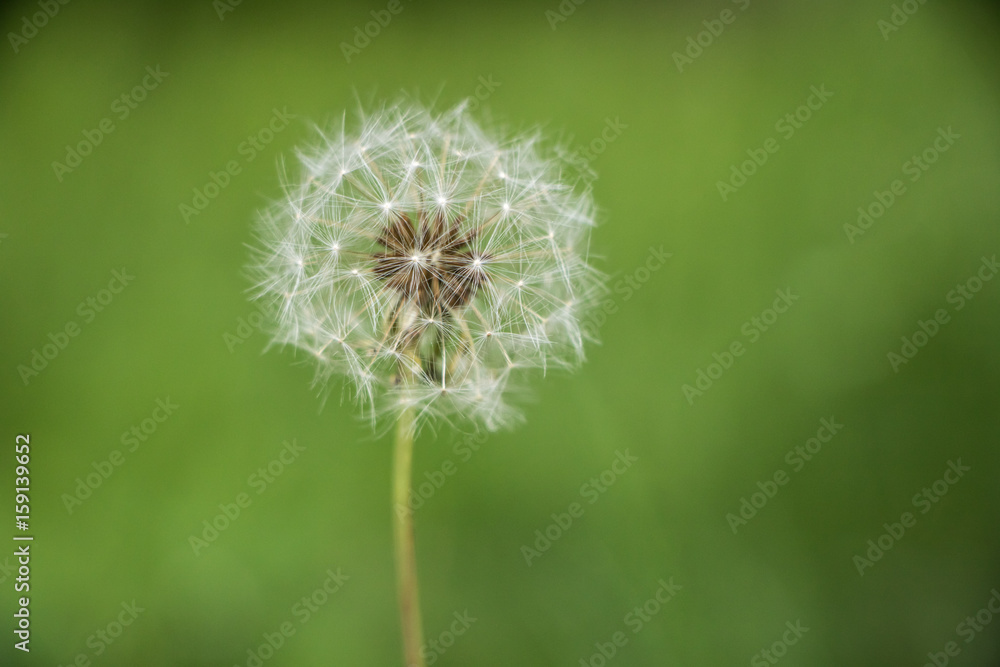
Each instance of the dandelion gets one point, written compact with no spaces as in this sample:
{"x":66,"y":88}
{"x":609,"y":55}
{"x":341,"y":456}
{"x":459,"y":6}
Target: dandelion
{"x":432,"y":265}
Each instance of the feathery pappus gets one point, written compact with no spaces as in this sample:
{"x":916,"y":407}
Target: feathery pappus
{"x":430,"y":263}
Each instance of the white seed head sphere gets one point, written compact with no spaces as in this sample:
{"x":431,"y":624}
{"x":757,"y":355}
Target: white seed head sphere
{"x":431,"y":264}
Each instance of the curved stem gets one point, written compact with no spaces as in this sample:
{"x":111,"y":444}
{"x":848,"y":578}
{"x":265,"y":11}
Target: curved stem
{"x":406,"y":558}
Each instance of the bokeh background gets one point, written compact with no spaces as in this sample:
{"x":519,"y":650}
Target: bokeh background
{"x":183,"y":330}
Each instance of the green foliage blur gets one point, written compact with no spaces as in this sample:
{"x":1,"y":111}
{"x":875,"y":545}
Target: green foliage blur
{"x":181,"y":331}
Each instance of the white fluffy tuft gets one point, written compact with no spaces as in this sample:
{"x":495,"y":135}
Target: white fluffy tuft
{"x":530,"y":284}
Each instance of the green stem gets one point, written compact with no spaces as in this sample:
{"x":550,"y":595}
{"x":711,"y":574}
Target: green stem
{"x":406,"y":558}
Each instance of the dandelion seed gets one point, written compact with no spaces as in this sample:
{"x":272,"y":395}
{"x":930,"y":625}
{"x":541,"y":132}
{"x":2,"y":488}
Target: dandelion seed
{"x":432,"y":291}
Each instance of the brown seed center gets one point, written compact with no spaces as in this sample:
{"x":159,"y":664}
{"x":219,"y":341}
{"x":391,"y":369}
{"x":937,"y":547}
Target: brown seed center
{"x":431,"y":263}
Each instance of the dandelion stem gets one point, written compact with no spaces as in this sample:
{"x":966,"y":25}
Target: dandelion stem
{"x":406,"y":560}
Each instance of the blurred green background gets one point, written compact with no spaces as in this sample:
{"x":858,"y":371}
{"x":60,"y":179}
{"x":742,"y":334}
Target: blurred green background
{"x":178,"y":331}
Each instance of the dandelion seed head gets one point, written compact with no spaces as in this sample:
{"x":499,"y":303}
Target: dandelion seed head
{"x":397,"y":261}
